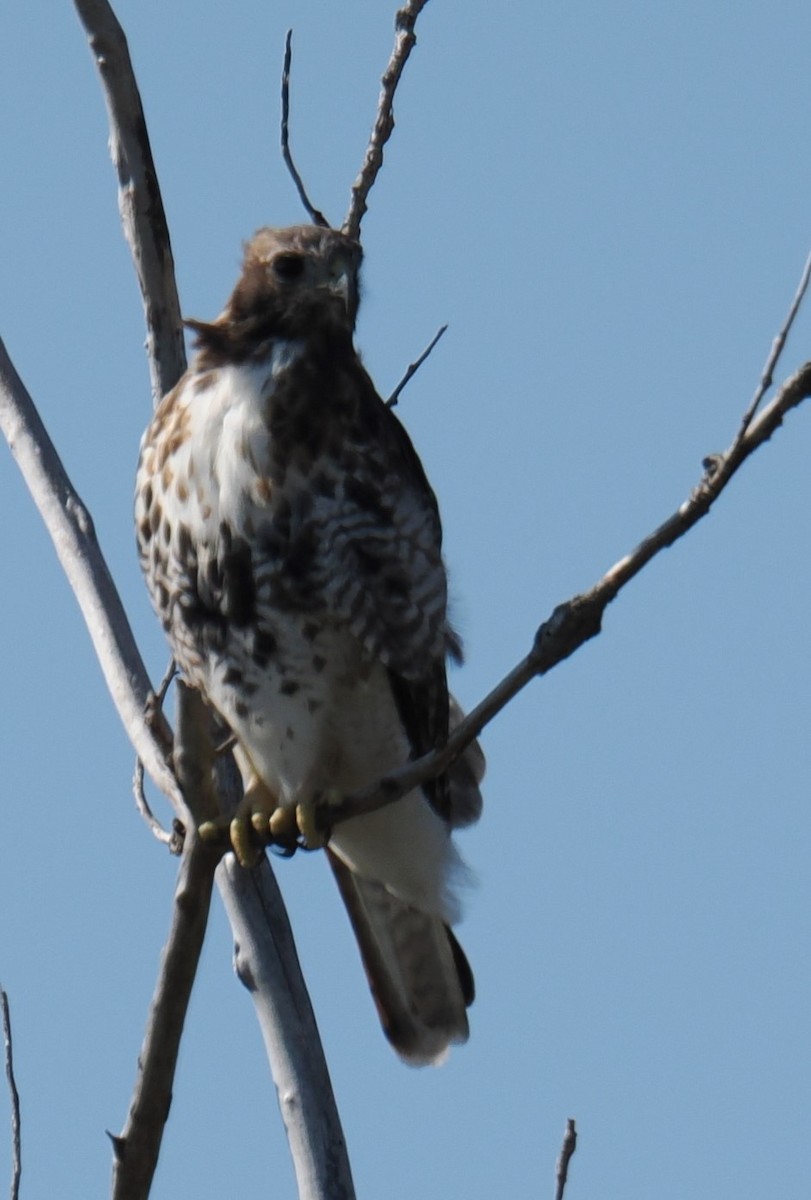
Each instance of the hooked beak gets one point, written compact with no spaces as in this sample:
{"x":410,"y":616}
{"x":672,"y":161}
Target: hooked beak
{"x":343,"y":285}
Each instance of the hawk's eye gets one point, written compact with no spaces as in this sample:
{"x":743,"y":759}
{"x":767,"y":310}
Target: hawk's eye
{"x":288,"y":266}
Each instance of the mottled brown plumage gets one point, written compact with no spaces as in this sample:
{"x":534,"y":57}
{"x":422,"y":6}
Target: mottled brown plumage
{"x":292,"y":547}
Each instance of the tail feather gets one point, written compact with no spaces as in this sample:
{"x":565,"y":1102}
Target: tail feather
{"x":420,"y":979}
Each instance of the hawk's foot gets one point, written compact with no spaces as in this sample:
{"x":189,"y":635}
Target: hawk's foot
{"x":249,"y":829}
{"x":259,"y":820}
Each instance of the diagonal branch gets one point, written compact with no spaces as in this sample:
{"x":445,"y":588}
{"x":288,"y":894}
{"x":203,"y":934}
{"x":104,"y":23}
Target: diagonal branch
{"x":577,"y":620}
{"x":412,"y":368}
{"x":404,"y":42}
{"x":74,"y":538}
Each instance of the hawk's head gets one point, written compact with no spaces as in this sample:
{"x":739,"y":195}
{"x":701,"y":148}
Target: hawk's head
{"x":295,"y":282}
{"x":305,"y":275}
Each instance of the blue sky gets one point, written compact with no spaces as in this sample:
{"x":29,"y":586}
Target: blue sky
{"x":609,"y":205}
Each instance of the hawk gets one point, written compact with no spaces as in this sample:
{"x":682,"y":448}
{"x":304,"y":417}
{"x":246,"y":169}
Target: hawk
{"x":292,"y":548}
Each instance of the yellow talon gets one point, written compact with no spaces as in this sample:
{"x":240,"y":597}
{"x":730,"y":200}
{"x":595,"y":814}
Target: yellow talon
{"x":306,"y":819}
{"x":259,"y":818}
{"x":250,"y":823}
{"x":247,"y":849}
{"x":283,"y":824}
{"x":210,"y":831}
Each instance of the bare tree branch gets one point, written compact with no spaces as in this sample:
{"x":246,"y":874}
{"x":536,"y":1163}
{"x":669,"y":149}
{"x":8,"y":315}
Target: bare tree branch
{"x":71,"y":529}
{"x":315,"y":215}
{"x":412,"y":368}
{"x":404,"y":41}
{"x":567,"y":1149}
{"x":577,"y":620}
{"x":136,"y":1150}
{"x":264,"y":951}
{"x":14,"y":1096}
{"x":139,"y":197}
{"x":146,"y":231}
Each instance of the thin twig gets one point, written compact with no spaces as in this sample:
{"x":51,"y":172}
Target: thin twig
{"x":154,"y":710}
{"x":316,"y":216}
{"x":163,"y":687}
{"x":162,"y":730}
{"x":142,"y":804}
{"x":412,"y":368}
{"x":567,"y":1149}
{"x":404,"y":41}
{"x":14,"y":1096}
{"x":767,"y":376}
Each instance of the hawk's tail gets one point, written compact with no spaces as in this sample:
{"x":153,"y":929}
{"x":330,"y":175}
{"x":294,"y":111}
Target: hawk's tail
{"x":418,"y":973}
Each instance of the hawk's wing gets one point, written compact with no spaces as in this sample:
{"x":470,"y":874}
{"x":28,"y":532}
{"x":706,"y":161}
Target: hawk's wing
{"x":380,"y":533}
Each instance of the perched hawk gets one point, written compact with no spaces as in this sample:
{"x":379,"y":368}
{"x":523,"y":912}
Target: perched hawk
{"x":292,"y":548}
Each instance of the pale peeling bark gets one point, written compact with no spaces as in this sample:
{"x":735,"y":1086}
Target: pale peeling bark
{"x":263,"y":951}
{"x":71,"y":528}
